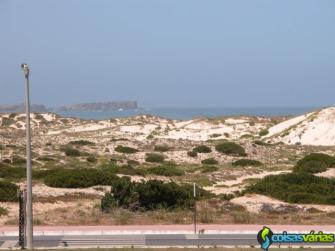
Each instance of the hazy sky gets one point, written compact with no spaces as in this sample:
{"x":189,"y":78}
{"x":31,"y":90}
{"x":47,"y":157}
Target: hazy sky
{"x":170,"y":53}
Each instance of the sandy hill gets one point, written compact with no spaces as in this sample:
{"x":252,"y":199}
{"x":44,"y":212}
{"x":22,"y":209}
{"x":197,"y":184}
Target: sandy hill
{"x":315,"y":128}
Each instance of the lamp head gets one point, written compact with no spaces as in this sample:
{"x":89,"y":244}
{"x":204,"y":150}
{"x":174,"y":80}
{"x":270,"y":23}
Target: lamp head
{"x":25,"y":69}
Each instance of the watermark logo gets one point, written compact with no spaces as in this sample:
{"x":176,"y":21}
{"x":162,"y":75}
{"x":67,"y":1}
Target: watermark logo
{"x":266,"y":237}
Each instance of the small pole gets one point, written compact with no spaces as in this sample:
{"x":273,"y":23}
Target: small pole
{"x":195,"y":209}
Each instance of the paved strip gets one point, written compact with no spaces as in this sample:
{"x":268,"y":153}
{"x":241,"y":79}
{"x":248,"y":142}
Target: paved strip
{"x":167,"y":240}
{"x":9,"y":244}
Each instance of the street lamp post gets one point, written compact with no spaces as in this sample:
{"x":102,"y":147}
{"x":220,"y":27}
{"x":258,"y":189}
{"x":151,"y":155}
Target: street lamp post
{"x":195,"y":208}
{"x":29,"y":205}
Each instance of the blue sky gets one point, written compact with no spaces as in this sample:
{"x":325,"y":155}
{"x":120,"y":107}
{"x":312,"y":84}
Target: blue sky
{"x":170,"y":53}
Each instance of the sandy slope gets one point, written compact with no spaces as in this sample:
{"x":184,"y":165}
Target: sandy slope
{"x":316,"y":128}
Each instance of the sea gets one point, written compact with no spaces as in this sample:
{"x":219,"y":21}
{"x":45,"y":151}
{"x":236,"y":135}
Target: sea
{"x":190,"y":113}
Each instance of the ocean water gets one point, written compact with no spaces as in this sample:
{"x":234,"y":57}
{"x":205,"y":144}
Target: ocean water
{"x":189,"y":113}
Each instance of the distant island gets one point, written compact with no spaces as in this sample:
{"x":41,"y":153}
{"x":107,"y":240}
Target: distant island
{"x":97,"y":106}
{"x":100,"y":106}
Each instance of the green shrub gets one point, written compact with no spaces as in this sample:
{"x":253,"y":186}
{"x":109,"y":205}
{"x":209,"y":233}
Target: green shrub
{"x":81,"y":142}
{"x":154,"y":157}
{"x":161,"y":148}
{"x":209,"y":169}
{"x":165,"y":170}
{"x":8,"y":172}
{"x":192,"y":154}
{"x":17,"y":160}
{"x":314,"y":163}
{"x":261,"y":143}
{"x":45,"y":158}
{"x":91,"y":159}
{"x":8,"y":191}
{"x":264,"y":132}
{"x":7,"y":121}
{"x":247,"y":162}
{"x":296,"y":188}
{"x":209,"y":161}
{"x":230,"y":148}
{"x":3,"y":211}
{"x":2,"y":147}
{"x":132,"y":162}
{"x":79,"y":178}
{"x":149,"y":195}
{"x":202,"y":149}
{"x":70,"y":151}
{"x":125,"y":149}
{"x":215,"y":135}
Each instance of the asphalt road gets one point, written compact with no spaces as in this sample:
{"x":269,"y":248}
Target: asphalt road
{"x":162,"y":240}
{"x":168,"y":240}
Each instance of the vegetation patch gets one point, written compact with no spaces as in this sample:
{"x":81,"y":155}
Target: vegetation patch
{"x":314,"y":163}
{"x":247,"y":162}
{"x":230,"y":148}
{"x":261,"y":143}
{"x":7,"y":121}
{"x":8,"y":192}
{"x":149,"y":195}
{"x":165,"y":170}
{"x":154,"y":157}
{"x":202,"y":149}
{"x":82,"y":142}
{"x":70,"y":151}
{"x":78,"y":178}
{"x":3,"y":211}
{"x":264,"y":132}
{"x":125,"y":149}
{"x":209,"y":169}
{"x":161,"y":148}
{"x":209,"y":161}
{"x":8,"y":172}
{"x":192,"y":154}
{"x":296,"y":188}
{"x":91,"y":159}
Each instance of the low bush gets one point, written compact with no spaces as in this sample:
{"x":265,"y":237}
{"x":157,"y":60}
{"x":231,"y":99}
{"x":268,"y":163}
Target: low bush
{"x":8,"y":192}
{"x":209,"y":169}
{"x":209,"y":161}
{"x":45,"y":158}
{"x":125,"y":149}
{"x":70,"y":151}
{"x":79,"y":178}
{"x":149,"y":195}
{"x":8,"y":172}
{"x":132,"y":162}
{"x":81,"y":142}
{"x":247,"y":162}
{"x":7,"y":121}
{"x":3,"y":211}
{"x":202,"y":149}
{"x":17,"y":160}
{"x":91,"y":159}
{"x":261,"y":143}
{"x":154,"y":157}
{"x":192,"y":154}
{"x":296,"y":188}
{"x":230,"y":148}
{"x":161,"y":148}
{"x":165,"y":170}
{"x":314,"y":163}
{"x":264,"y":132}
{"x":2,"y":147}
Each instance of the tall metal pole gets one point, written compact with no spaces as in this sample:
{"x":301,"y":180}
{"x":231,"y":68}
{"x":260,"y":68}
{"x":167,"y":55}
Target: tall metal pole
{"x":195,"y":209}
{"x":29,"y":205}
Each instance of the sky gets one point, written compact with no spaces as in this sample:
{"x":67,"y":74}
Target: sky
{"x":169,"y":53}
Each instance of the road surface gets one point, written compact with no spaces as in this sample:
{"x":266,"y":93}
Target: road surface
{"x":147,"y":236}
